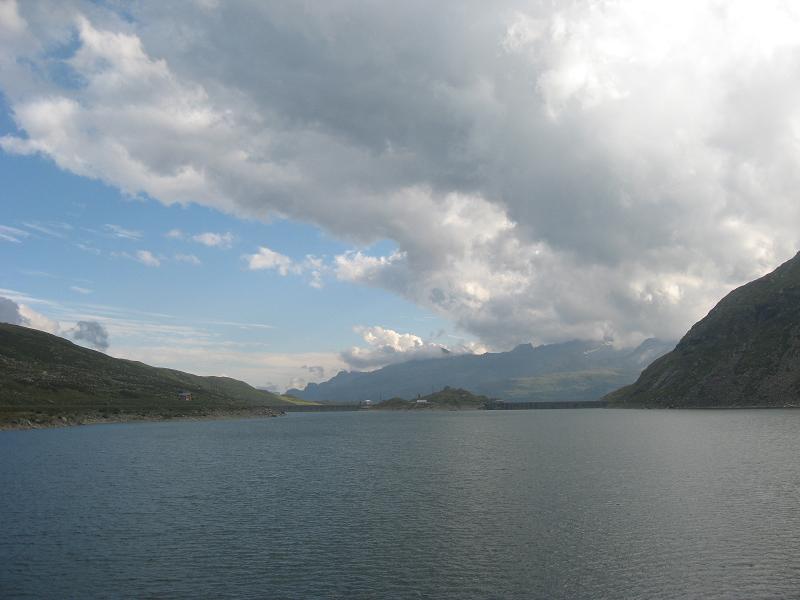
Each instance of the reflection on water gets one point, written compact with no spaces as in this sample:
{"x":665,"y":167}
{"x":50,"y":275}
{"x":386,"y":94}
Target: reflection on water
{"x":529,"y":504}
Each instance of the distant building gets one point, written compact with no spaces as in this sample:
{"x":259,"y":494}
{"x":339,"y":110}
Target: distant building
{"x":422,"y":400}
{"x":366,"y":403}
{"x":185,"y":396}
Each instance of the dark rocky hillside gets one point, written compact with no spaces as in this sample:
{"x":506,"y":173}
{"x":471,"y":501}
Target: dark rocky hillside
{"x":746,"y":352}
{"x":43,"y":374}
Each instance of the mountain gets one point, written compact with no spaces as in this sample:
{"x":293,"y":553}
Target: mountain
{"x":577,"y":370}
{"x":445,"y":399}
{"x":746,"y":352}
{"x":45,"y":375}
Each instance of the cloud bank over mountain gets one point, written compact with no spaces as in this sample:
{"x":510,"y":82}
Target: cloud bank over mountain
{"x":90,"y":333}
{"x":546,"y":170}
{"x":386,"y":346}
{"x":21,"y":314}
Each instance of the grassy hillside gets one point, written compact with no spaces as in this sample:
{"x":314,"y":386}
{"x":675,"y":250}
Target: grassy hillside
{"x":48,"y":375}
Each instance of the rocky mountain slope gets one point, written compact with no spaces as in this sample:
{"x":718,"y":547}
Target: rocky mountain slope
{"x":43,"y":374}
{"x":577,"y":370}
{"x":746,"y":352}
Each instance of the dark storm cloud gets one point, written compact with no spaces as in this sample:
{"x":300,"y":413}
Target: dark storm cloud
{"x":91,"y":332}
{"x":9,"y":312}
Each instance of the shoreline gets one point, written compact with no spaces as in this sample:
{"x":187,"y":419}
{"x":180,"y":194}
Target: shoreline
{"x":31,"y":422}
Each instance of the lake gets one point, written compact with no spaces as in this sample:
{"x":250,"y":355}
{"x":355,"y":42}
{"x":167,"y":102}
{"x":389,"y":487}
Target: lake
{"x":509,"y":504}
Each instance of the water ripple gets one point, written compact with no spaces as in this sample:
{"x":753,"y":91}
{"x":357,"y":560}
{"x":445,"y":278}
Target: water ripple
{"x":594,"y":504}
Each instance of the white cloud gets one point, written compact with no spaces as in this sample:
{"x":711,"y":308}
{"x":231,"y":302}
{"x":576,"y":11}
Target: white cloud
{"x":163,"y":340}
{"x":271,"y":260}
{"x":282,"y":370}
{"x":12,"y":234}
{"x":207,"y":238}
{"x":21,"y":314}
{"x":240,"y":325}
{"x":312,"y":267}
{"x":36,"y":320}
{"x":88,"y":248}
{"x":10,"y":20}
{"x":147,"y":258}
{"x":80,"y":290}
{"x":37,"y":273}
{"x":51,"y":229}
{"x":214,"y":240}
{"x":121,"y":232}
{"x":545,"y":170}
{"x":92,"y":333}
{"x":189,"y":259}
{"x":355,"y":266}
{"x":386,"y":346}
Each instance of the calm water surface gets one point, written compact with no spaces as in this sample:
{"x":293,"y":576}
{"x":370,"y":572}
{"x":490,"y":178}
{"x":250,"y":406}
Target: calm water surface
{"x":530,"y":504}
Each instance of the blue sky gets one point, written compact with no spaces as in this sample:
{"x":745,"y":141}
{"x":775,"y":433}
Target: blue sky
{"x":76,"y":259}
{"x":374,"y":181}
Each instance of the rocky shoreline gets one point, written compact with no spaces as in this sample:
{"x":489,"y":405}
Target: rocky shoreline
{"x":41,"y":421}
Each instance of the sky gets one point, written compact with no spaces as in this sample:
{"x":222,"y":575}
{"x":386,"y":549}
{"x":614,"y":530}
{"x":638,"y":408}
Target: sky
{"x":275,"y":191}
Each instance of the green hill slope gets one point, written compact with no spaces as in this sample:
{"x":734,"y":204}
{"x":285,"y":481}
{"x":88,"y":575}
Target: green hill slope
{"x":746,"y":352}
{"x":43,"y":374}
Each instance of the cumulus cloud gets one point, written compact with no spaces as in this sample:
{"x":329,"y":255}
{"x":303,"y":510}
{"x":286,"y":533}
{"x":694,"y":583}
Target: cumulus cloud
{"x":189,"y":259}
{"x":207,"y":238}
{"x":35,"y":320}
{"x":9,"y":312}
{"x":317,"y":371}
{"x":10,"y":20}
{"x":312,"y":268}
{"x":21,"y":314}
{"x":266,"y":258}
{"x":214,"y":240}
{"x":92,"y":333}
{"x":147,"y":258}
{"x":355,"y":266}
{"x":386,"y":346}
{"x":545,"y":170}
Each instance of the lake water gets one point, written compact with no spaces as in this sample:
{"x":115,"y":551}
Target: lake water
{"x":523,"y":504}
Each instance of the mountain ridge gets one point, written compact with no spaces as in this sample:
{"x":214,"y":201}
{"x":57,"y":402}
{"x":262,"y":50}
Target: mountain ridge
{"x":574,"y":370}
